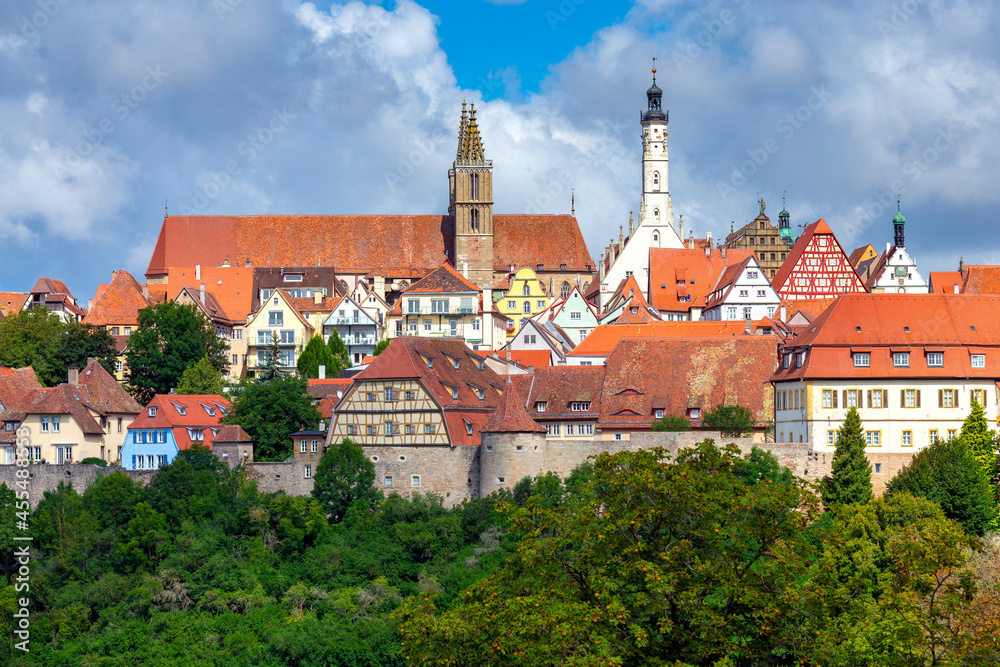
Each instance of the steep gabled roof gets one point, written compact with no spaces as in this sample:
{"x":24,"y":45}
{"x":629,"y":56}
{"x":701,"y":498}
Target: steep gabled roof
{"x":231,"y":286}
{"x":561,"y":386}
{"x":231,"y":434}
{"x":15,"y":383}
{"x":510,"y":415}
{"x":727,"y":280}
{"x":119,"y":302}
{"x":944,"y":282}
{"x":104,"y":391}
{"x":11,"y":303}
{"x":603,"y":339}
{"x":681,"y":279}
{"x":816,"y":229}
{"x":442,"y":280}
{"x":181,"y":412}
{"x":981,"y":279}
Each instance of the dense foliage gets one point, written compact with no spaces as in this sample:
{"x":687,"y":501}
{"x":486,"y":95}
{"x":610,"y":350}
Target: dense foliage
{"x":705,"y":558}
{"x":201,"y":378}
{"x":733,"y":421}
{"x":170,"y":338}
{"x":344,"y":476}
{"x":341,"y":356}
{"x":38,"y":338}
{"x":671,"y":423}
{"x":316,"y":354}
{"x":270,"y":412}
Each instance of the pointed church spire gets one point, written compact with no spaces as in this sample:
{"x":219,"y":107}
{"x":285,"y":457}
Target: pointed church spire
{"x":898,"y":221}
{"x":470,"y":145}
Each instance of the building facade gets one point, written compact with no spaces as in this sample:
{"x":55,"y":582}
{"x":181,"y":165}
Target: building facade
{"x":279,"y":317}
{"x":356,"y":327}
{"x":524,"y":298}
{"x":742,"y":292}
{"x":817,"y":267}
{"x":910,"y":364}
{"x":169,"y":424}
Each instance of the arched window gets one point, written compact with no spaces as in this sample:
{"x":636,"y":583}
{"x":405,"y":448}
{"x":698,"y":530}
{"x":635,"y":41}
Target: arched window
{"x":474,"y":187}
{"x":474,"y":219}
{"x":656,"y":216}
{"x":564,"y":290}
{"x":656,"y":181}
{"x":526,"y":308}
{"x":656,"y":239}
{"x":526,"y":290}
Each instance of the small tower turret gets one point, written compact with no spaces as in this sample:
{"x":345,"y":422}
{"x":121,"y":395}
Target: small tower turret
{"x":898,"y":221}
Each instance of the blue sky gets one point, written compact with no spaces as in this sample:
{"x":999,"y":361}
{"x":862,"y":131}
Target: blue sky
{"x":111,"y":107}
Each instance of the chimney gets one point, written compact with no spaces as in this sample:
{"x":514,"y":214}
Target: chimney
{"x":379,"y":287}
{"x":723,"y":252}
{"x":322,"y":371}
{"x":74,"y":376}
{"x":318,"y":297}
{"x":887,"y":246}
{"x":197,"y":271}
{"x":552,"y":286}
{"x":322,"y":425}
{"x":465,"y":270}
{"x":708,"y":250}
{"x":784,"y":314}
{"x":956,"y":288}
{"x":90,"y":304}
{"x":145,"y":290}
{"x":201,"y":291}
{"x":600,"y":269}
{"x":709,"y":237}
{"x":747,"y":330}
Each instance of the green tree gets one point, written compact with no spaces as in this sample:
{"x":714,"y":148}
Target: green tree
{"x":270,"y":412}
{"x":978,"y":437}
{"x":82,"y":342}
{"x":170,"y":338}
{"x":947,"y":473}
{"x":732,"y":421}
{"x":761,"y":465}
{"x":382,"y":344}
{"x":344,"y":475}
{"x":316,"y":354}
{"x":671,"y":423}
{"x":34,"y":338}
{"x":271,"y":368}
{"x":342,"y":358}
{"x":657,"y":563}
{"x":851,"y":478}
{"x":201,"y":378}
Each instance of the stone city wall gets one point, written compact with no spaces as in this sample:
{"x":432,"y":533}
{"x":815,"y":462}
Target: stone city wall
{"x":44,"y":477}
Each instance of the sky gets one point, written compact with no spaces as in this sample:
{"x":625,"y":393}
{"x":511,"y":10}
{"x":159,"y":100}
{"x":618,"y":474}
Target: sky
{"x":111,"y":110}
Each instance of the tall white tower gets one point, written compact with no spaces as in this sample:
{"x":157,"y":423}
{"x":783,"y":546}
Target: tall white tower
{"x":655,"y":209}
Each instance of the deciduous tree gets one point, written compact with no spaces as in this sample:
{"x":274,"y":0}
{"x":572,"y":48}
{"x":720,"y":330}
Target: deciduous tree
{"x":732,"y":421}
{"x":171,"y":337}
{"x":316,"y":354}
{"x":671,"y":423}
{"x":201,"y":378}
{"x":344,"y":475}
{"x":270,"y":412}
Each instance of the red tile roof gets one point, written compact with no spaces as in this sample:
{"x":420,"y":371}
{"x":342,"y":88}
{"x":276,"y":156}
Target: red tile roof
{"x":15,"y":383}
{"x":669,"y":267}
{"x":558,"y":387}
{"x":643,"y":375}
{"x":442,"y":280}
{"x":433,"y":361}
{"x":510,"y":415}
{"x":104,"y":391}
{"x":12,"y":302}
{"x":361,"y":243}
{"x":981,"y":279}
{"x":809,"y":308}
{"x":232,"y":287}
{"x":118,"y":303}
{"x":328,"y":386}
{"x":944,"y":282}
{"x":180,"y":412}
{"x":957,"y":325}
{"x":726,"y":281}
{"x":231,"y":433}
{"x":529,"y":358}
{"x":602,"y":340}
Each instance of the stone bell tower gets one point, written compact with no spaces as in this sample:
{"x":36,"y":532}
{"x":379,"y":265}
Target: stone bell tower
{"x":470,"y":184}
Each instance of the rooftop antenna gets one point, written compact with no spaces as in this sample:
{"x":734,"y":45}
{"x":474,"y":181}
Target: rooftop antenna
{"x":572,"y":201}
{"x":166,"y":214}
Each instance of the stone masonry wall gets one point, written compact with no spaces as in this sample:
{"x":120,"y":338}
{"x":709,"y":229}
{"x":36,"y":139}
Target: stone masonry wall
{"x":42,"y":478}
{"x":452,"y":472}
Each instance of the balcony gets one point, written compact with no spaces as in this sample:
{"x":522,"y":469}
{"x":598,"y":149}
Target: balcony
{"x":457,"y":310}
{"x":263,"y":341}
{"x":346,"y":321}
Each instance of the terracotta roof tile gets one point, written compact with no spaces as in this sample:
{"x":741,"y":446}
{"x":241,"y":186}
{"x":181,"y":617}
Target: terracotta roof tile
{"x":510,"y":415}
{"x":532,"y":358}
{"x":444,"y":279}
{"x":944,"y":282}
{"x":118,"y":303}
{"x":558,"y":387}
{"x":232,"y":287}
{"x":232,"y":433}
{"x":15,"y":383}
{"x":11,"y":303}
{"x":981,"y":279}
{"x":668,"y":267}
{"x":602,"y":340}
{"x":328,"y":386}
{"x":643,"y":375}
{"x":180,"y":412}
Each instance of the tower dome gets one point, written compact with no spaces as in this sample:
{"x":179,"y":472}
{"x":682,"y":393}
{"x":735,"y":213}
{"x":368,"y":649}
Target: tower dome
{"x":654,"y":100}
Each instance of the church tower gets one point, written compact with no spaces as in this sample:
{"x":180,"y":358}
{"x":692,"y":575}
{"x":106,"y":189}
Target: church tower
{"x":655,"y":209}
{"x":470,"y":184}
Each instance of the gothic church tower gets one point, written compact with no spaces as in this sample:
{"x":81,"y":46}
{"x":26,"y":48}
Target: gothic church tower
{"x":470,"y":184}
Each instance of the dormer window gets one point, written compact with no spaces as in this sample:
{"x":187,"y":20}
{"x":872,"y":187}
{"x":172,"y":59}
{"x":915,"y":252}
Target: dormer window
{"x":540,"y":406}
{"x":580,"y":406}
{"x":293,"y":277}
{"x":181,"y":410}
{"x":152,"y":411}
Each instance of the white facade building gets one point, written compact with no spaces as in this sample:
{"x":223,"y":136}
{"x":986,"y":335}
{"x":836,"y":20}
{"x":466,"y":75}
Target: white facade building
{"x":742,"y":292}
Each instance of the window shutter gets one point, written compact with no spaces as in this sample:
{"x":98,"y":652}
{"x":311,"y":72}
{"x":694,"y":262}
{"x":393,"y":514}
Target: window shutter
{"x":834,"y":392}
{"x":954,"y":395}
{"x":918,"y":398}
{"x":885,"y":398}
{"x":845,"y":398}
{"x":395,"y":428}
{"x":940,"y":398}
{"x":869,"y":398}
{"x":902,"y":398}
{"x":133,"y":462}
